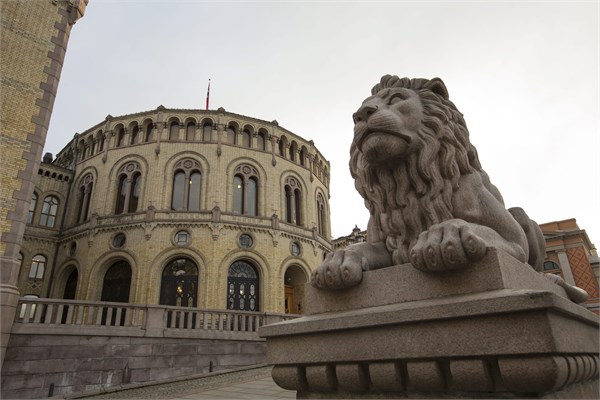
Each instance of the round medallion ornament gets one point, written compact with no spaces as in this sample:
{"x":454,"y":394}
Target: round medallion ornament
{"x":246,"y":241}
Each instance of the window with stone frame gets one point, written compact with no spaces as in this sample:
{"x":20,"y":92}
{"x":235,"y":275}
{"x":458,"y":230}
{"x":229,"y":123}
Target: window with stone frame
{"x":321,"y":215}
{"x":293,"y":201}
{"x":245,"y":190}
{"x":32,"y":206}
{"x":86,"y":186}
{"x":49,"y":211}
{"x":187,"y":180}
{"x":129,"y":178}
{"x":174,"y":130}
{"x":38,"y":265}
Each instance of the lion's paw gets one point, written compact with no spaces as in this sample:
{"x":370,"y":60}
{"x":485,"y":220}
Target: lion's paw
{"x":339,"y":270}
{"x":446,"y":246}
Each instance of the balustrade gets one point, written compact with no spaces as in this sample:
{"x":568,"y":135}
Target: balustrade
{"x":64,"y":316}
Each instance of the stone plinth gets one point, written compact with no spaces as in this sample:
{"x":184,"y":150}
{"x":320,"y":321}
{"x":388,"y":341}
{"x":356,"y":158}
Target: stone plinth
{"x":495,"y":329}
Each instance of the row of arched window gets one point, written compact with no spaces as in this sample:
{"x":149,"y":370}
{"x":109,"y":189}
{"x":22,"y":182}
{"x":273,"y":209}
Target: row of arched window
{"x":203,"y":131}
{"x":186,"y":193}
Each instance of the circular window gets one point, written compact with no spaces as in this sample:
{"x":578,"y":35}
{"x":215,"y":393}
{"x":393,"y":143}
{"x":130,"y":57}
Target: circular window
{"x":72,"y":249}
{"x":119,"y":240}
{"x":246,"y":241}
{"x":182,"y":238}
{"x":296,"y":249}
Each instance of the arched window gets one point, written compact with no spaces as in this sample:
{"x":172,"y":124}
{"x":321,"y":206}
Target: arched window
{"x":85,"y":195}
{"x":150,"y":132}
{"x":207,"y":132}
{"x":246,"y":138}
{"x":117,"y":283}
{"x":293,"y":151}
{"x":38,"y":265}
{"x":100,"y":139}
{"x":32,"y":208}
{"x":231,"y":135}
{"x":281,"y":147}
{"x":120,"y":137}
{"x":260,"y":141}
{"x":71,"y":285}
{"x":293,"y":201}
{"x":321,"y":215}
{"x":190,"y":131}
{"x":551,"y":266}
{"x":303,"y":153}
{"x":179,"y":284}
{"x":134,"y":193}
{"x":134,"y":134}
{"x":242,"y":287}
{"x":129,"y":188}
{"x":245,"y":190}
{"x":187,"y":181}
{"x":174,"y":131}
{"x":49,"y":211}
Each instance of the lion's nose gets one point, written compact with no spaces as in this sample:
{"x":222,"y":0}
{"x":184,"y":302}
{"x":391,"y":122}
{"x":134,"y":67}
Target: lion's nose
{"x":364,"y":113}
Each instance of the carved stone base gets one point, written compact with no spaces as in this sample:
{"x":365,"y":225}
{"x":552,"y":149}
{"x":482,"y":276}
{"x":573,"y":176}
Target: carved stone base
{"x":504,"y":341}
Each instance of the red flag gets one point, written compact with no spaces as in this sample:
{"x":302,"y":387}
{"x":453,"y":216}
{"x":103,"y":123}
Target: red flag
{"x":207,"y":94}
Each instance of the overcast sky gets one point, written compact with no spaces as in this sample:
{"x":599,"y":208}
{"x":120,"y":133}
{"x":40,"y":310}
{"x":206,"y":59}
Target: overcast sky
{"x":524,"y":74}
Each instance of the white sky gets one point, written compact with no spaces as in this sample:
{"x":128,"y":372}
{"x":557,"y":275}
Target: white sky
{"x":524,"y":74}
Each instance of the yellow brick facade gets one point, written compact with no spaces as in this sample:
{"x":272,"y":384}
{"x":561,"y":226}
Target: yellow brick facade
{"x":33,"y":42}
{"x":103,"y":152}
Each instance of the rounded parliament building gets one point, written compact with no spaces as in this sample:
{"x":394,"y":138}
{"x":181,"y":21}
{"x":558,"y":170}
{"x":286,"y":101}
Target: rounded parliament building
{"x":191,"y":208}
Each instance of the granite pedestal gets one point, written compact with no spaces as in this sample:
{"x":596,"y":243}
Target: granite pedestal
{"x":496,"y":329}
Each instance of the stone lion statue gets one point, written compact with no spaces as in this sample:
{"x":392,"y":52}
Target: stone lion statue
{"x":430,"y":202}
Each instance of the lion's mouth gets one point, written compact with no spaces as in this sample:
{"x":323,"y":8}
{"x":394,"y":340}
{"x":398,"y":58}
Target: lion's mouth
{"x":369,"y":132}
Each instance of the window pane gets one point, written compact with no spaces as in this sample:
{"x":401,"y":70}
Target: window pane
{"x":37,"y":267}
{"x":260,"y":141}
{"x":82,"y":202}
{"x":134,"y":134}
{"x":174,"y":131}
{"x":246,"y":138}
{"x":238,"y":199}
{"x":134,"y":196}
{"x":190,"y":131}
{"x":251,"y":197}
{"x":120,"y":137}
{"x":49,"y":210}
{"x":178,"y":186}
{"x":206,"y":132}
{"x":121,"y":192}
{"x":194,"y":195}
{"x":230,"y":135}
{"x":288,"y":204}
{"x":298,"y":199}
{"x":149,"y":133}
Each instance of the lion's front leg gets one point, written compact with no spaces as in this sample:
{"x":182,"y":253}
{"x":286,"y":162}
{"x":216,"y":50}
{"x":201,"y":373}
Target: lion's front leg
{"x":449,"y":245}
{"x":344,"y":268}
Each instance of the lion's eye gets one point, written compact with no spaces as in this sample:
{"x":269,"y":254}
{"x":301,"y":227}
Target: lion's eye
{"x":398,"y":96}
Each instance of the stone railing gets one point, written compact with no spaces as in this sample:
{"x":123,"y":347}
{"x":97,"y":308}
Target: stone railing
{"x":53,"y":316}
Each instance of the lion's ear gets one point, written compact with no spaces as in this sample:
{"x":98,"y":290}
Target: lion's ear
{"x":436,"y":85}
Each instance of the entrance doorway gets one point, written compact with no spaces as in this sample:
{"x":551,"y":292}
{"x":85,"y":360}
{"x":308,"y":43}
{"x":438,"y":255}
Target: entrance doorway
{"x":115,"y":288}
{"x":294,"y":281}
{"x":242,"y":287}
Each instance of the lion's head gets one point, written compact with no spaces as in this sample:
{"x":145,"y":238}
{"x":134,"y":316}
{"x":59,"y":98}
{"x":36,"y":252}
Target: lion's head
{"x":410,"y":147}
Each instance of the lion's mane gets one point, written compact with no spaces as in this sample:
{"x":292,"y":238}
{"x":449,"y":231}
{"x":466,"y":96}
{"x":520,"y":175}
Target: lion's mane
{"x":408,"y":197}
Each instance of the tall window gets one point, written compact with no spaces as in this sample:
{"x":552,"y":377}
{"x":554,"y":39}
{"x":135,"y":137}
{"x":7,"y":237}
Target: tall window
{"x":38,"y":264}
{"x":129,"y":188}
{"x":246,"y":138}
{"x":100,"y":139}
{"x":187,"y":181}
{"x":117,"y":282}
{"x":303,"y":156}
{"x":190,"y":131}
{"x":281,"y":147}
{"x":231,"y":135}
{"x":150,"y":132}
{"x":85,"y":194}
{"x":174,"y":131}
{"x":293,"y":150}
{"x":32,"y":208}
{"x":242,"y":287}
{"x":134,"y":134}
{"x":245,"y":190}
{"x":260,"y":141}
{"x":179,"y":285}
{"x":293,"y":201}
{"x":321,"y":214}
{"x":120,"y":137}
{"x":207,"y":132}
{"x":49,"y":211}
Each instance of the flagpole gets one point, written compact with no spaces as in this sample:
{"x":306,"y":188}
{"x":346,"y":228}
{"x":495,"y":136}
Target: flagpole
{"x":208,"y":94}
